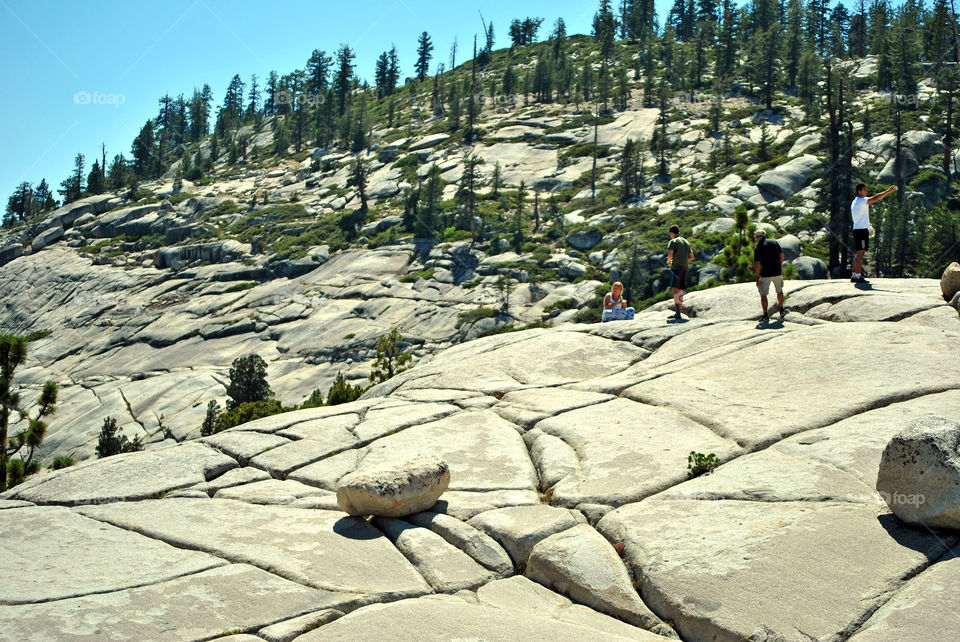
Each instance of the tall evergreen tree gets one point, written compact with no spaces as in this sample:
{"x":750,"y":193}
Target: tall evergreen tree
{"x":43,"y":198}
{"x":95,"y":182}
{"x":857,"y":41}
{"x":20,"y":204}
{"x":143,"y":152}
{"x":72,"y":187}
{"x":424,"y":54}
{"x":793,"y":43}
{"x":343,"y":77}
{"x":604,"y":29}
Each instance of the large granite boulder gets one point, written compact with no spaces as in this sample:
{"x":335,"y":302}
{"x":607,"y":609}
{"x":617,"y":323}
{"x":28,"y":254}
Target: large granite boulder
{"x":394,"y":491}
{"x":584,"y":240}
{"x":10,"y":252}
{"x":950,"y":281}
{"x":46,"y":238}
{"x":790,"y":245}
{"x":810,"y":268}
{"x":919,"y":474}
{"x":789,"y":178}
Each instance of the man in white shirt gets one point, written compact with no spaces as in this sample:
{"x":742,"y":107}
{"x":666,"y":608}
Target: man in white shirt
{"x":860,"y":211}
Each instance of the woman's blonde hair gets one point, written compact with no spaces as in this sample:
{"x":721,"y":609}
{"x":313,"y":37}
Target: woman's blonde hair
{"x":616,"y":284}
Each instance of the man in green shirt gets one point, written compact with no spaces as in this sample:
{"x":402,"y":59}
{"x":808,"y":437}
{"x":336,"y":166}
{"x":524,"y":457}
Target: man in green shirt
{"x":679,"y":256}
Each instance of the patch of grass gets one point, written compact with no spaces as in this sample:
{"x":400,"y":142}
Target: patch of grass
{"x":240,"y":287}
{"x":179,"y":198}
{"x":472,"y":284}
{"x":422,"y":274}
{"x":562,"y":304}
{"x":36,"y":335}
{"x":61,"y":462}
{"x":474,"y":315}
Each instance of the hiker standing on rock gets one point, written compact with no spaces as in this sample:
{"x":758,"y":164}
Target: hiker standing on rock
{"x":768,"y":265}
{"x":679,"y":256}
{"x":860,"y":211}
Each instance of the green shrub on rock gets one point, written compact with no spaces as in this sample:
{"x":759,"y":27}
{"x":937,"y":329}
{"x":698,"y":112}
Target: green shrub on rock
{"x":249,"y":411}
{"x":248,"y":381}
{"x":112,"y":441}
{"x":698,"y":464}
{"x":342,"y":392}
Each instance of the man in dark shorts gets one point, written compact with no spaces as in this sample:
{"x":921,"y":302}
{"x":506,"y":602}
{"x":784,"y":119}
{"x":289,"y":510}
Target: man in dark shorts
{"x":679,"y":256}
{"x":860,"y":212}
{"x":767,"y":263}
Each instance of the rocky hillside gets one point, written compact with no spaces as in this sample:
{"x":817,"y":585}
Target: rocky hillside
{"x":139,"y":300}
{"x":569,"y":514}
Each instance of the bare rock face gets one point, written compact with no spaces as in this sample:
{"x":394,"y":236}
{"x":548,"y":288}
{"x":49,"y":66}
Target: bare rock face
{"x":919,"y":474}
{"x":396,"y":491}
{"x":950,"y":281}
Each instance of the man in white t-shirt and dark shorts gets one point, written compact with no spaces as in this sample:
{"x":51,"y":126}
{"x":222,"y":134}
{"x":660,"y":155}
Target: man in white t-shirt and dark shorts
{"x":860,"y":212}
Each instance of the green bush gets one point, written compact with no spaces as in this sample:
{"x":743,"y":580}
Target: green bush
{"x":474,"y":315}
{"x":413,"y":276}
{"x":699,"y":464}
{"x":391,"y":359}
{"x":315,"y":400}
{"x":61,"y":462}
{"x":112,"y":441}
{"x":240,"y":287}
{"x":248,"y":381}
{"x":343,"y":392}
{"x":248,"y":411}
{"x":562,"y":304}
{"x":36,"y":335}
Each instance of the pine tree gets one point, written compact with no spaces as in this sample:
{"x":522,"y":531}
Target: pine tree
{"x":20,"y":204}
{"x":430,"y":209}
{"x":318,"y":73}
{"x":117,"y":176}
{"x":517,"y":239}
{"x":424,"y":54}
{"x":857,"y":41}
{"x":248,"y":381}
{"x":95,"y":182}
{"x":72,"y":187}
{"x":111,"y":440}
{"x":43,"y":198}
{"x":808,"y":77}
{"x":604,"y":30}
{"x":557,"y":39}
{"x":628,"y":170}
{"x":343,"y":77}
{"x":467,"y":193}
{"x":391,"y":359}
{"x":543,"y":80}
{"x":837,"y":34}
{"x":793,"y":43}
{"x":358,"y":178}
{"x":509,"y":81}
{"x":726,"y":47}
{"x":906,"y":50}
{"x":143,"y":152}
{"x":253,"y":99}
{"x":661,"y":136}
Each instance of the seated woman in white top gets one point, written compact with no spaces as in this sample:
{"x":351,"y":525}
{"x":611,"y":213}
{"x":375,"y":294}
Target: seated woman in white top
{"x":615,"y":306}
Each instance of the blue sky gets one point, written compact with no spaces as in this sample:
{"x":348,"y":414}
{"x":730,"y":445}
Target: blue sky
{"x":76,"y":74}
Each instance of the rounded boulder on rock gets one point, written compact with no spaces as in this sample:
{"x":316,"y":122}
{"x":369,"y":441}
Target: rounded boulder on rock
{"x":408,"y":488}
{"x":950,"y":281}
{"x":919,"y":475}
